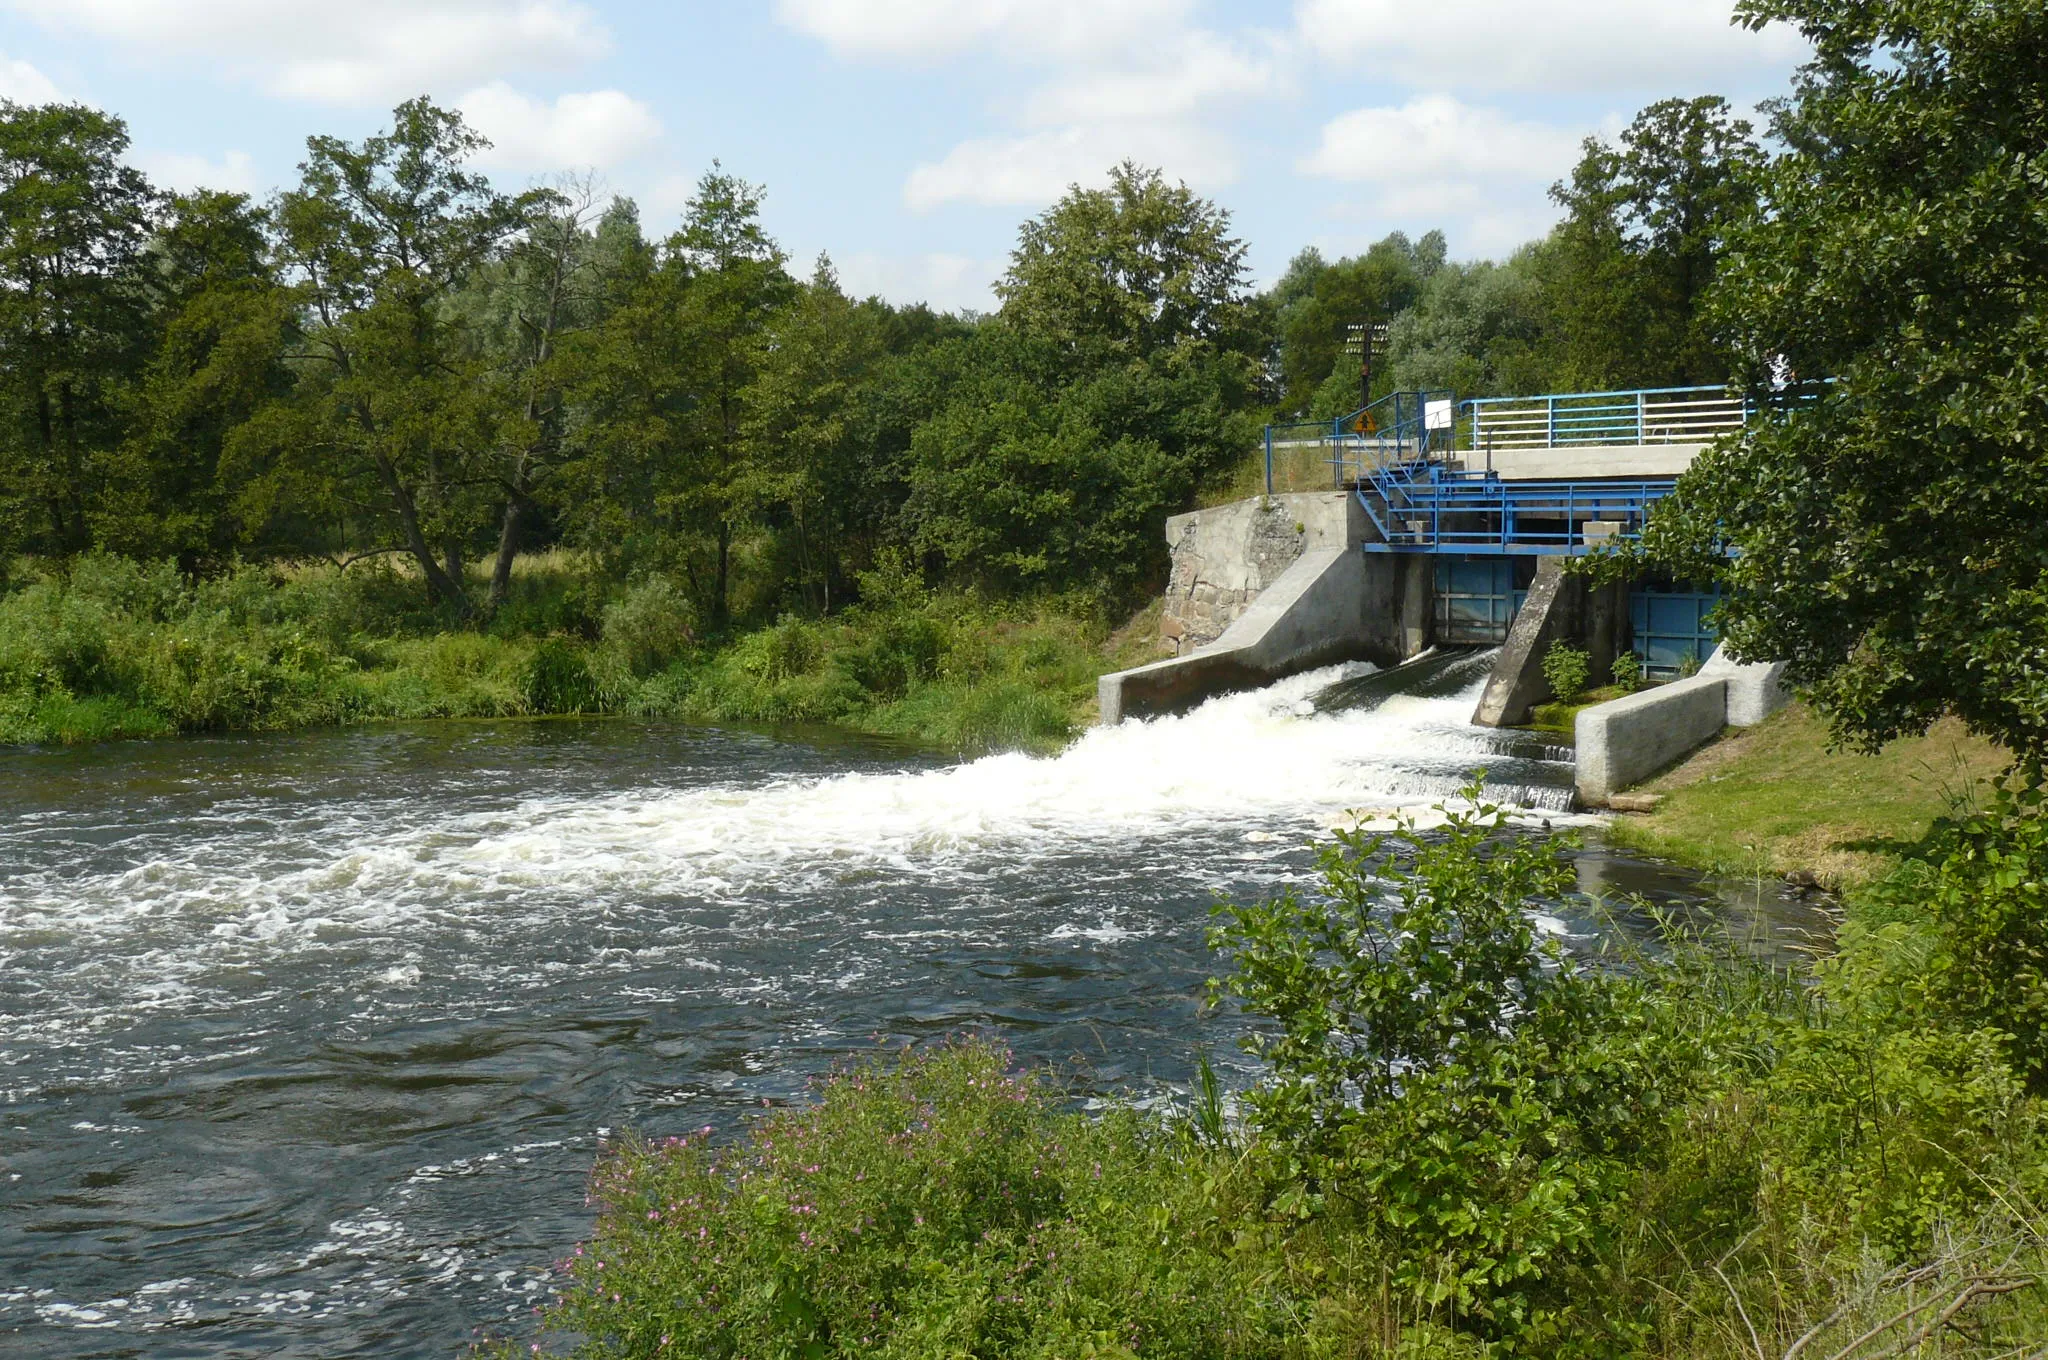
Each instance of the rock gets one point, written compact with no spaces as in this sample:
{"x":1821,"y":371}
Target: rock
{"x":1804,"y":880}
{"x":1634,"y":802}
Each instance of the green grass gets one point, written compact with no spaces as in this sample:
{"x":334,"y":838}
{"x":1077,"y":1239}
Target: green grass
{"x":1774,"y":799}
{"x":1557,"y":717}
{"x":113,"y":648}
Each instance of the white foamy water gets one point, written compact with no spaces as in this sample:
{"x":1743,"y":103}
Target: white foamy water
{"x":1252,"y":761}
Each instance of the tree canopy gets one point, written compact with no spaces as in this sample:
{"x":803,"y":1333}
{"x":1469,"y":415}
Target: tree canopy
{"x":1887,"y":525}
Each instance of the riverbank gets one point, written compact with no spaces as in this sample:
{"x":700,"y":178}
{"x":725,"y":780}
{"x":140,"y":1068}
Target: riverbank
{"x":1773,"y":799}
{"x":115,"y":648}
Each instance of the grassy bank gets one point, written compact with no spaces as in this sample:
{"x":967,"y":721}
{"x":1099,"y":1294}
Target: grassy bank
{"x":115,"y":648}
{"x":1774,"y":799}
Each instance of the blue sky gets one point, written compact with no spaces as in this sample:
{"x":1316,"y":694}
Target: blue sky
{"x":910,"y":137}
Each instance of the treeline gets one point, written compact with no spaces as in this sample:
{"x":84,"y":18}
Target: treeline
{"x":393,"y":358}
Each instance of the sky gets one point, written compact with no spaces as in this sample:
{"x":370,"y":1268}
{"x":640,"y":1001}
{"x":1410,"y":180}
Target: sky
{"x":910,"y":138}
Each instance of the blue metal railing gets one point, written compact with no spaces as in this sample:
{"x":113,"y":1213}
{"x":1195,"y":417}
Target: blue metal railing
{"x":1400,"y":427}
{"x":1437,"y":475}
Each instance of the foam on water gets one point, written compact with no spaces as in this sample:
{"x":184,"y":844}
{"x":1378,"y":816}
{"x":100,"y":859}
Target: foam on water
{"x":1252,"y":762}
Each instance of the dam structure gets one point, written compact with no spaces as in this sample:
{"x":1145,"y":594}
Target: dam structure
{"x":1422,"y":521}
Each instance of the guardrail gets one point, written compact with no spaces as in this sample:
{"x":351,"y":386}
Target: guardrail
{"x":1410,"y":427}
{"x":1651,"y":415}
{"x":1399,"y":428}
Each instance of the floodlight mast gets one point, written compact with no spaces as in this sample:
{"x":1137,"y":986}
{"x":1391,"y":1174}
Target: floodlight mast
{"x":1366,"y":339}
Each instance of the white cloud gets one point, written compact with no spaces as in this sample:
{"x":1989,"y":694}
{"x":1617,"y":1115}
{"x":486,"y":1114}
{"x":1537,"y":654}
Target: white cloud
{"x":364,"y":52}
{"x":1037,"y":168}
{"x":927,"y":30}
{"x":1107,"y":80}
{"x":950,"y":283}
{"x":234,"y":172}
{"x":1439,"y":138}
{"x":1559,"y":46}
{"x":24,"y":84}
{"x":1435,"y":161}
{"x":599,"y":129}
{"x":1181,"y":77}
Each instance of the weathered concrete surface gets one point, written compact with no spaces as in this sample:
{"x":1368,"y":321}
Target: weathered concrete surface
{"x":1559,"y":607}
{"x":1577,"y":462}
{"x":1756,"y":690}
{"x":1627,"y":740}
{"x":1224,"y":557}
{"x":1312,"y":616}
{"x":1549,"y":612}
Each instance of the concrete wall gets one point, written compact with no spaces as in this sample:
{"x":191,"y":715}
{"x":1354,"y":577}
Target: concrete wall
{"x":1559,"y":607}
{"x":1312,"y":616}
{"x":1224,"y":557}
{"x":1627,"y":740}
{"x":1579,"y":462}
{"x":1755,"y":690}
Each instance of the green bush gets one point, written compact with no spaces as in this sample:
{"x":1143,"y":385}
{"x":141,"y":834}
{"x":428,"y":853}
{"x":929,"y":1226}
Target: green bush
{"x":647,"y":626}
{"x":1627,"y":674}
{"x":558,"y":679}
{"x":1475,"y":1100}
{"x":1567,"y":669}
{"x":935,"y":1208}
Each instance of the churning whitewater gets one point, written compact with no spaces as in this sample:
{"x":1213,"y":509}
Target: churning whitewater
{"x":306,"y":1040}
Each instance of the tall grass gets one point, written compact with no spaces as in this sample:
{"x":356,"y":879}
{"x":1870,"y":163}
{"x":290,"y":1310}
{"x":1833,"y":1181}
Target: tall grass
{"x":110,"y":647}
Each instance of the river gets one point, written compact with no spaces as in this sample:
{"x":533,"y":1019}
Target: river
{"x":307,"y":1042}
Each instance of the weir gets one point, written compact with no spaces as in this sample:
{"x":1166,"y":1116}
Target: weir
{"x":1439,"y":523}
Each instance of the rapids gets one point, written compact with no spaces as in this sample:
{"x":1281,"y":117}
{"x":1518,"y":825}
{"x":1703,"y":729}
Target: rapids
{"x":307,"y":1042}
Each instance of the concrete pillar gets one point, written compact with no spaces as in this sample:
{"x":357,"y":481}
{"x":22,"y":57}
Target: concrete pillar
{"x":1418,"y":603}
{"x":1554,"y":609}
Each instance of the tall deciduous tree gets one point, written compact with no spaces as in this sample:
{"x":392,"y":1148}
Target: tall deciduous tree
{"x":1647,"y":222}
{"x":74,"y":220}
{"x":800,"y":424}
{"x":221,"y":323}
{"x":1890,"y":533}
{"x":391,"y":418}
{"x":556,"y":280}
{"x":1130,"y":271}
{"x":663,"y":467}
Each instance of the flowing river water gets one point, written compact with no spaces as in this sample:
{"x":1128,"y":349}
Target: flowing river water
{"x":307,"y":1042}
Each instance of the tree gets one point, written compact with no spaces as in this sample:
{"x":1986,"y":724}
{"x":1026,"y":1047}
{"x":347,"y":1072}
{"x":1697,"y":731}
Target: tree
{"x":390,"y":421}
{"x":1316,"y":300}
{"x":222,"y":322}
{"x":1647,"y":221}
{"x":664,"y":383}
{"x":74,"y":221}
{"x":1476,"y":329}
{"x":1888,"y":526}
{"x":800,"y":411}
{"x":1131,"y":271}
{"x":556,"y":280}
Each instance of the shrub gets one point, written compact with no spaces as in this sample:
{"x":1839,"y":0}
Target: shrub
{"x":1627,"y":674}
{"x":1474,"y":1098}
{"x":647,"y":626}
{"x":558,"y":680}
{"x":1978,"y":896}
{"x":938,"y":1207}
{"x":1567,"y":669}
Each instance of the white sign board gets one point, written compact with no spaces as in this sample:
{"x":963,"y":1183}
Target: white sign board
{"x":1436,"y":415}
